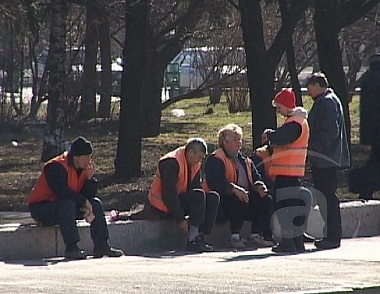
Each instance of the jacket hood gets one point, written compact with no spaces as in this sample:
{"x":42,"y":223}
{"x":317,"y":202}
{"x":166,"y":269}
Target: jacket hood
{"x":299,"y":111}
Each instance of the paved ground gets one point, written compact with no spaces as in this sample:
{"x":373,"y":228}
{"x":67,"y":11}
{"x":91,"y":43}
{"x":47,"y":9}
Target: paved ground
{"x":355,"y":265}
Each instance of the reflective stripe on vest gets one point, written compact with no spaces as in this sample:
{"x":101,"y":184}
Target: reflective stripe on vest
{"x":289,"y":160}
{"x":41,"y":191}
{"x":230,"y":169}
{"x":155,"y":193}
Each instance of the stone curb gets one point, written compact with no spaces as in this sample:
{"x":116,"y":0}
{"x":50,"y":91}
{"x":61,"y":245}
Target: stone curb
{"x":20,"y":241}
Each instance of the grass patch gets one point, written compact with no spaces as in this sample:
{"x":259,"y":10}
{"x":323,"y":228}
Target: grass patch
{"x":20,"y":166}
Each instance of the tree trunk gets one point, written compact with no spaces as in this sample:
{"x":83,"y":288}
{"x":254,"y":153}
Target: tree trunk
{"x":262,"y":62}
{"x":151,"y":92}
{"x":88,"y":101}
{"x":290,"y":60}
{"x":104,"y":109}
{"x":329,"y":53}
{"x":128,"y":156}
{"x":159,"y":54}
{"x":55,"y":122}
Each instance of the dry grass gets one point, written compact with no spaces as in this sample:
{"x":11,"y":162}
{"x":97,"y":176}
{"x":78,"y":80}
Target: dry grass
{"x":20,"y":166}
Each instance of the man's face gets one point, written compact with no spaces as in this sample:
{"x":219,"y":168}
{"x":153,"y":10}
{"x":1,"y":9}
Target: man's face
{"x":82,"y":161}
{"x":233,"y":143}
{"x":193,"y":157}
{"x":314,"y":90}
{"x":281,"y":109}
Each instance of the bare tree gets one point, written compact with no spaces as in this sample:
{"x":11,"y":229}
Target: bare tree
{"x":262,"y":59}
{"x":128,"y":157}
{"x":55,"y":120}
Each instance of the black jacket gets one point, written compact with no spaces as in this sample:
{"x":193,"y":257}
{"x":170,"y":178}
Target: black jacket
{"x":328,"y":142}
{"x":369,"y":109}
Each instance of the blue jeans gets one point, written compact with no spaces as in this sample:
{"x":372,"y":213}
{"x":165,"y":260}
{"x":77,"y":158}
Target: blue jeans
{"x":65,"y":212}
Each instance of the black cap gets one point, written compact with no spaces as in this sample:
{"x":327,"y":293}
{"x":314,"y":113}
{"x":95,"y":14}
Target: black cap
{"x":80,"y":146}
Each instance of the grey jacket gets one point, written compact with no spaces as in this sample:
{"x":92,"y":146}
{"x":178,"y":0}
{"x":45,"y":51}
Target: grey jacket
{"x":328,"y":143}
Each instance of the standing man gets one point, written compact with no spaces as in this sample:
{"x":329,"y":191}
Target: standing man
{"x":370,"y":127}
{"x":243,"y":195}
{"x":328,"y":151}
{"x":176,"y":191}
{"x":65,"y":192}
{"x":289,"y":142}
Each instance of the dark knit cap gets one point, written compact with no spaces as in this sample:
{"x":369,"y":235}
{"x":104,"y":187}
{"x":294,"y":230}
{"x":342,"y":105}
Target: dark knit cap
{"x":80,"y":146}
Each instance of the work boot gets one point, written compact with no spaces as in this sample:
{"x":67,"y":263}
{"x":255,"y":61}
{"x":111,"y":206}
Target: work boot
{"x":326,"y":244}
{"x":107,"y":251}
{"x":75,"y":254}
{"x":285,"y":246}
{"x":299,"y":244}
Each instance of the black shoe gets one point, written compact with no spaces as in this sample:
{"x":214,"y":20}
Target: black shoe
{"x":75,"y":254}
{"x":199,"y":245}
{"x":307,"y":238}
{"x":107,"y":251}
{"x":299,"y":244}
{"x":326,"y":244}
{"x":285,"y":246}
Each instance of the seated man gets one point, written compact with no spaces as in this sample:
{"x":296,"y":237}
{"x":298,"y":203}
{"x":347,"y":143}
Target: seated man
{"x":239,"y":185}
{"x":64,"y":192}
{"x":176,"y":191}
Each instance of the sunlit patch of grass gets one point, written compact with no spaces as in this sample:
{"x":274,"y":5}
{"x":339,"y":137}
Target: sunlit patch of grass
{"x":20,"y":166}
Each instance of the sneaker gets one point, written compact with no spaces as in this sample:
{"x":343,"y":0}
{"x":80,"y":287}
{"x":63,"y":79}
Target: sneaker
{"x":258,"y":241}
{"x":108,"y":251}
{"x":75,"y":254}
{"x":236,"y":243}
{"x":326,"y":244}
{"x":199,"y":245}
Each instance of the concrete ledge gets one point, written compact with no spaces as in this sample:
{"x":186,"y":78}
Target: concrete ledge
{"x":137,"y":237}
{"x":359,"y":219}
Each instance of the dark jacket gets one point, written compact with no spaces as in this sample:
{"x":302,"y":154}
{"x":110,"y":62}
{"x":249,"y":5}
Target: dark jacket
{"x":328,"y":142}
{"x":215,"y":174}
{"x":169,"y":169}
{"x":57,"y":180}
{"x":369,"y":109}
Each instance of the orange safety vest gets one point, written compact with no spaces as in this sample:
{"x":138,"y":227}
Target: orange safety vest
{"x":289,"y":160}
{"x":266,"y":159}
{"x":230,"y":167}
{"x":41,"y":191}
{"x":155,"y":193}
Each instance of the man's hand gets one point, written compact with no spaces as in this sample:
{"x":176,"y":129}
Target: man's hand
{"x":262,"y":190}
{"x":240,"y":193}
{"x":88,"y":213}
{"x":184,"y":226}
{"x":90,"y":169}
{"x":264,"y":136}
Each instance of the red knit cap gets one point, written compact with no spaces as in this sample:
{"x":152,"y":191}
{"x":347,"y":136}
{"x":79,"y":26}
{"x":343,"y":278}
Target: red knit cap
{"x":286,"y":98}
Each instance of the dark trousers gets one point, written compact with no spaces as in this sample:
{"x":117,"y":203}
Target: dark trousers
{"x":260,"y":213}
{"x":292,"y":204}
{"x":234,"y":210}
{"x":326,"y":182}
{"x":370,"y":177}
{"x":65,"y":212}
{"x":201,"y":208}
